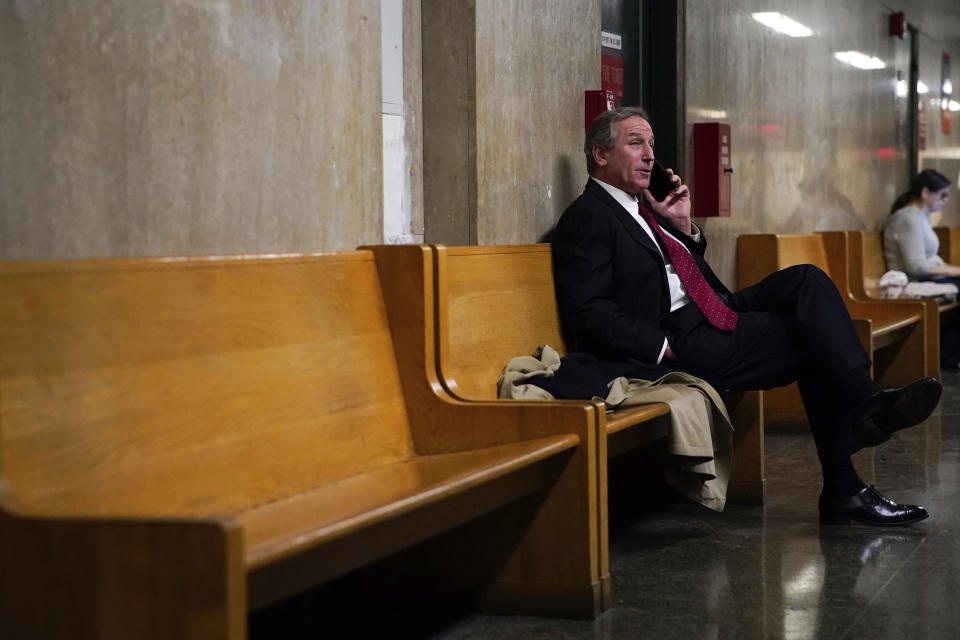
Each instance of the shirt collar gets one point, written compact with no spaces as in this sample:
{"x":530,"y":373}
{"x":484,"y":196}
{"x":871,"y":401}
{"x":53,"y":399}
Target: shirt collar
{"x":627,"y":201}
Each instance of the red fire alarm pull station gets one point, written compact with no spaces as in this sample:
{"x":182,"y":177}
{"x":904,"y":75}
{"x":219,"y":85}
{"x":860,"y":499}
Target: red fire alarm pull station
{"x":711,"y":169}
{"x":898,"y":24}
{"x":595,"y":103}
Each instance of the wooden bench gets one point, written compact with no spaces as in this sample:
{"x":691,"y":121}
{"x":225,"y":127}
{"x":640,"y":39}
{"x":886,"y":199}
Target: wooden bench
{"x":895,"y":335}
{"x":496,"y":302}
{"x":867,"y":265}
{"x":185,"y":440}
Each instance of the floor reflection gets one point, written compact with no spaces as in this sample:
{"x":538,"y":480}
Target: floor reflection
{"x":775,"y":573}
{"x":681,"y":571}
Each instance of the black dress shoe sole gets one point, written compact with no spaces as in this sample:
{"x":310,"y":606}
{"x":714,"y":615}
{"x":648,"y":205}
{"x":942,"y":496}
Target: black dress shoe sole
{"x":911,"y":407}
{"x":851,"y":520}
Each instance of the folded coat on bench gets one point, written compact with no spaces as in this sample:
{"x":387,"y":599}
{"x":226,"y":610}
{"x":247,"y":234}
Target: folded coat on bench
{"x":700,"y":430}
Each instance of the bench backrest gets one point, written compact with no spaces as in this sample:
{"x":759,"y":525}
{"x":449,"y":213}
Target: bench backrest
{"x":949,"y":238}
{"x":868,"y":246}
{"x":759,"y":255}
{"x":494,"y":303}
{"x":194,"y":385}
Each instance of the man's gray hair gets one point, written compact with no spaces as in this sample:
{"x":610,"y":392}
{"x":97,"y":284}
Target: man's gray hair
{"x":603,"y":132}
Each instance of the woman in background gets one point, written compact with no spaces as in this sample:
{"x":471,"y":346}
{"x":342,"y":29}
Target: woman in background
{"x":910,"y":245}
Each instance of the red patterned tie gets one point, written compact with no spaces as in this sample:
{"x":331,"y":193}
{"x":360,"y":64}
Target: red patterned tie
{"x":720,"y":315}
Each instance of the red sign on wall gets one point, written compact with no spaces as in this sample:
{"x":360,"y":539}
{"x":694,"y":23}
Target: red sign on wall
{"x":946,"y":93}
{"x":611,"y":74}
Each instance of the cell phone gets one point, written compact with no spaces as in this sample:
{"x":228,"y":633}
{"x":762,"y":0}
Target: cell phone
{"x":660,"y":183}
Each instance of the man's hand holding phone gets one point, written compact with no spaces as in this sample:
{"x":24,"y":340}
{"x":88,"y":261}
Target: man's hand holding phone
{"x":669,"y":197}
{"x":661,"y":183}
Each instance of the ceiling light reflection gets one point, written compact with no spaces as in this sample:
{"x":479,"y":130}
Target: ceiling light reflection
{"x":901,"y":88}
{"x":859,"y":60}
{"x":782,"y":24}
{"x":715,"y":114}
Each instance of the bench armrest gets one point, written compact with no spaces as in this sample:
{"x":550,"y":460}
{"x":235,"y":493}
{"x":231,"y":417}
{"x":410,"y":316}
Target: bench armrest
{"x":455,"y":425}
{"x":884,"y":310}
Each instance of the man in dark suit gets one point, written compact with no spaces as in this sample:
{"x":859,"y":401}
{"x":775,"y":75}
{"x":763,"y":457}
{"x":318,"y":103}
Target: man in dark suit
{"x":632,"y":285}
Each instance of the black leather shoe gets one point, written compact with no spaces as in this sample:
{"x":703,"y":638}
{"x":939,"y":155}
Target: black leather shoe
{"x":867,"y":506}
{"x":891,"y":410}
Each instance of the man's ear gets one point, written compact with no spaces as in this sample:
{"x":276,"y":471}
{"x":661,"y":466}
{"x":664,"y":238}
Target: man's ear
{"x":600,"y":156}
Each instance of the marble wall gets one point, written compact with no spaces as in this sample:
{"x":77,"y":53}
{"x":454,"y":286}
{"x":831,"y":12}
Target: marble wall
{"x":817,"y":144}
{"x":203,"y":126}
{"x":413,"y":110}
{"x":535,"y":58}
{"x":448,"y":39}
{"x":942,"y":150}
{"x":136,"y":127}
{"x":503,"y":107}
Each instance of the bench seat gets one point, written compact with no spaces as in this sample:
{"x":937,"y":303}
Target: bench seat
{"x":889,"y":331}
{"x":620,"y":419}
{"x":293,"y":524}
{"x":185,"y":440}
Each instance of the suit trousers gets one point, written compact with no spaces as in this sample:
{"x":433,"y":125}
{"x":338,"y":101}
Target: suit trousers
{"x":793,"y":326}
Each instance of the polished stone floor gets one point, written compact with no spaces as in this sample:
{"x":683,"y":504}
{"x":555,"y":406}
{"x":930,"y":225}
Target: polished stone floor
{"x":680,"y":571}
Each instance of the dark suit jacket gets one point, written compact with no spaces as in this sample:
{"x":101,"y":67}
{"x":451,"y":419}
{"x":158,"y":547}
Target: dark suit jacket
{"x":611,"y":285}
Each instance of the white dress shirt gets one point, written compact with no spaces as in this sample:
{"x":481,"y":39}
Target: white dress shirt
{"x":678,"y":294}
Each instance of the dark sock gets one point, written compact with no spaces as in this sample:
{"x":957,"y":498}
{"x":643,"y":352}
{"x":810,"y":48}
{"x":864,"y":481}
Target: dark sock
{"x":841,"y":479}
